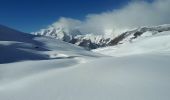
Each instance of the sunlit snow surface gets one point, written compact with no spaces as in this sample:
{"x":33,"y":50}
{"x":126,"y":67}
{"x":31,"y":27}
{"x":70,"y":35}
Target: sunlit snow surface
{"x":41,"y":68}
{"x":146,"y":44}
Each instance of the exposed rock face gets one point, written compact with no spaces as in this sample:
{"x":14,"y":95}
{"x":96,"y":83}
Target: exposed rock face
{"x":130,"y":36}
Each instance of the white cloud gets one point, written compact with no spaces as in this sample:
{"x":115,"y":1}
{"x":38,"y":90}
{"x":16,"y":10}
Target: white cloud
{"x":135,"y":14}
{"x":67,"y":23}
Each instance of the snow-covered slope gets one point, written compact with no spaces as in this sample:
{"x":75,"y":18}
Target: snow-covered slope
{"x":68,"y":72}
{"x":18,"y":46}
{"x":143,"y":77}
{"x":150,"y":40}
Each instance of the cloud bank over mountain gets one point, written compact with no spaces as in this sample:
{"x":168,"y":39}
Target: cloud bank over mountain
{"x":135,"y":14}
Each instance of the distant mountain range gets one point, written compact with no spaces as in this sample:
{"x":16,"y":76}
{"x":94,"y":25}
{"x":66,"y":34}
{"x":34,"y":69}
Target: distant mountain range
{"x":93,"y":41}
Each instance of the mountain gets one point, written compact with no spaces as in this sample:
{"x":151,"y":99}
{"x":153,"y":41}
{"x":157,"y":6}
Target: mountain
{"x":44,"y":68}
{"x":92,"y":41}
{"x":74,"y":36}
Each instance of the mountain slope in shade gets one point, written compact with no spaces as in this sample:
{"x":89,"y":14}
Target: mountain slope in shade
{"x":9,"y":34}
{"x":18,"y":46}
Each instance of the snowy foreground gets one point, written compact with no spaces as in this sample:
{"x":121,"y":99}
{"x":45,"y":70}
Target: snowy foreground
{"x":41,"y":68}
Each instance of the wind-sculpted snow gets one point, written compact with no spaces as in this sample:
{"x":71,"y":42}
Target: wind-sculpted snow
{"x":142,"y":77}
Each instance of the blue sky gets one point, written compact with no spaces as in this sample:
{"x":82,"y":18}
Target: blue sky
{"x":32,"y":15}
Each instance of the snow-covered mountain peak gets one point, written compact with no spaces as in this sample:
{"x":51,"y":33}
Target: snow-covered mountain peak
{"x":64,"y":29}
{"x":59,"y":32}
